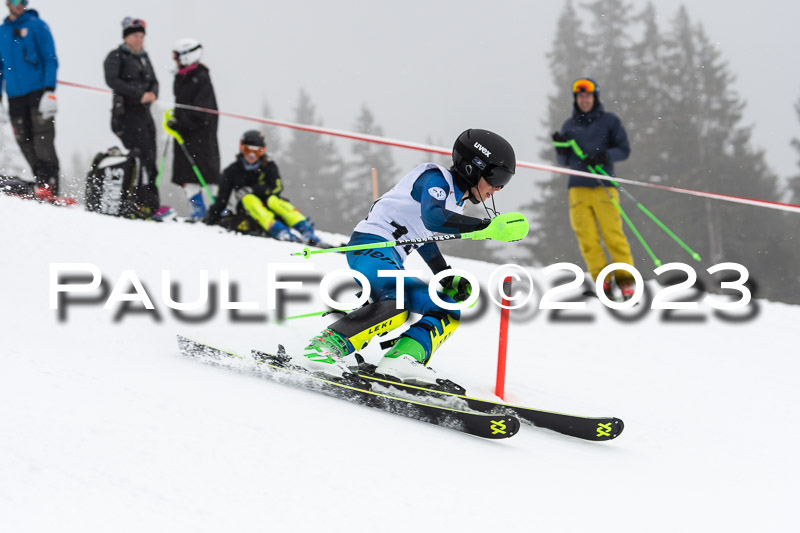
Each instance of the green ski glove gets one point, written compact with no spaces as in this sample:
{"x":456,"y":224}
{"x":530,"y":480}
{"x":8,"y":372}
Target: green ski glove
{"x":507,"y":227}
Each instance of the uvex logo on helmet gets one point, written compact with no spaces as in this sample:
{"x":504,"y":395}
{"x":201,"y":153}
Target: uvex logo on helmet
{"x":483,"y":150}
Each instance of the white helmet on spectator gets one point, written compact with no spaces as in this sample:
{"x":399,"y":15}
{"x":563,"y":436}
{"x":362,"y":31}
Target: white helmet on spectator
{"x":187,"y":52}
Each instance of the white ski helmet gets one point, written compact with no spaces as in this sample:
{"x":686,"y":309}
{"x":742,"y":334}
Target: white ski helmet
{"x":187,"y":51}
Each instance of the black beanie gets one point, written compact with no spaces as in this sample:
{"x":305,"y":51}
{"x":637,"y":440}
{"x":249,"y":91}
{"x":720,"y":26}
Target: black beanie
{"x":132,"y":27}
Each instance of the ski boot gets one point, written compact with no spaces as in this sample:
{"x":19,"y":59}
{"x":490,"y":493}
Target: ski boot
{"x":281,"y":232}
{"x":43,"y":193}
{"x":405,"y":362}
{"x":608,"y":290}
{"x":164,"y":212}
{"x":198,"y":207}
{"x":628,"y":289}
{"x":325,"y":354}
{"x":306,"y":229}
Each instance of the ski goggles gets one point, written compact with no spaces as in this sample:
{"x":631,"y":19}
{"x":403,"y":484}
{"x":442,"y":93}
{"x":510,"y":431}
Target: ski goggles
{"x":176,"y":54}
{"x":584,"y":85}
{"x":257,"y":150}
{"x":18,"y":2}
{"x":497,"y":176}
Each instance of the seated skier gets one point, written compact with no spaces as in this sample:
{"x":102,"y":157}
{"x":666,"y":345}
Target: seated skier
{"x":256,"y":184}
{"x":428,"y":199}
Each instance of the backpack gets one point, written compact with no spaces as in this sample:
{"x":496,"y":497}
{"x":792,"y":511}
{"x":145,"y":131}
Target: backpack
{"x":114,"y":186}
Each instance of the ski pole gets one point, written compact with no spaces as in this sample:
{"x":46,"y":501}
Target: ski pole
{"x":655,"y":219}
{"x":308,"y":315}
{"x":163,"y":162}
{"x":507,"y":227}
{"x":169,"y":115}
{"x":622,"y":212}
{"x":577,"y":149}
{"x":574,"y":145}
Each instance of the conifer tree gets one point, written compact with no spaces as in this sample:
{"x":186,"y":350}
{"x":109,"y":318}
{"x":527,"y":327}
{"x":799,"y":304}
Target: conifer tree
{"x":794,"y":181}
{"x":675,"y":95}
{"x":551,"y":238}
{"x":272,"y":134}
{"x":312,"y":170}
{"x":355,"y":195}
{"x":648,"y":97}
{"x":708,"y":149}
{"x":608,"y":46}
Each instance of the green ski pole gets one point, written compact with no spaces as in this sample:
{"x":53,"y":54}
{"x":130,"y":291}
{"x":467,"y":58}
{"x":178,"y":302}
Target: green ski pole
{"x":169,"y":115}
{"x":574,"y":145}
{"x":163,"y":162}
{"x":652,"y":217}
{"x":507,"y":227}
{"x":577,"y":149}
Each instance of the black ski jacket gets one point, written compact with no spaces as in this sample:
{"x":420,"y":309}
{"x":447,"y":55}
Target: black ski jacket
{"x":198,"y":129}
{"x":130,"y":76}
{"x":262,"y":181}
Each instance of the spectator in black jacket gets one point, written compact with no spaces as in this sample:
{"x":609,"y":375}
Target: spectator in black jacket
{"x":198,"y":129}
{"x":256,"y":184}
{"x":130,"y":74}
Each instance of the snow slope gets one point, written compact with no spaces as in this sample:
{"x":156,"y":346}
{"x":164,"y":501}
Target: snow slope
{"x":105,"y":427}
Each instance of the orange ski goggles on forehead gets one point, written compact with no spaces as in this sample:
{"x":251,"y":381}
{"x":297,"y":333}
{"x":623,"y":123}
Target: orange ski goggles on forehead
{"x":584,"y":85}
{"x":257,"y":150}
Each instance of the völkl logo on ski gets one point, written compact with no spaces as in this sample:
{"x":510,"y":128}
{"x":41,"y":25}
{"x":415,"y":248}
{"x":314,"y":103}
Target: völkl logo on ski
{"x":498,"y":426}
{"x":604,"y":430}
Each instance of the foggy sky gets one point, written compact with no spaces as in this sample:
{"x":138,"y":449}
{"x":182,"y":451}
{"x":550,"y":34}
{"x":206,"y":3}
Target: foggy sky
{"x":427,"y":69}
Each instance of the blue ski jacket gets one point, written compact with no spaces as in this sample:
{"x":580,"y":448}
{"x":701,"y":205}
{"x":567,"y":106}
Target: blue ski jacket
{"x":595,"y":131}
{"x":28,"y":59}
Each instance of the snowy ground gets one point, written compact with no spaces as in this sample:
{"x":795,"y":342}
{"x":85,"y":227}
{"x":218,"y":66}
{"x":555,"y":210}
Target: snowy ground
{"x":105,"y":427}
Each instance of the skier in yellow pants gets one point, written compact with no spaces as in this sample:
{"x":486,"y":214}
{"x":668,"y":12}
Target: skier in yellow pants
{"x":256,"y":183}
{"x":592,"y":213}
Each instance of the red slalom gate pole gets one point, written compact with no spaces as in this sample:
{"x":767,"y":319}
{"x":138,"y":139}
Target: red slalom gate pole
{"x":500,"y":385}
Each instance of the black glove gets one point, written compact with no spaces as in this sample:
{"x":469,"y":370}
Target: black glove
{"x":483,"y":225}
{"x":562,"y":150}
{"x":212,"y":217}
{"x":599,"y":158}
{"x":456,"y":287}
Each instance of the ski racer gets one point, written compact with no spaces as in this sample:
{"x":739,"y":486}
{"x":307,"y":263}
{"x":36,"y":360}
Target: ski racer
{"x":256,"y":183}
{"x":428,"y":199}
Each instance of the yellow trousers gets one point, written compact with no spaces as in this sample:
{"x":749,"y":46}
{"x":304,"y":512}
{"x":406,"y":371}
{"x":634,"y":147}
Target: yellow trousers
{"x":593,"y":215}
{"x":265,"y":215}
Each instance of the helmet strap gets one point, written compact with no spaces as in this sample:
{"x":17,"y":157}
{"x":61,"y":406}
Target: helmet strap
{"x":476,"y":199}
{"x":491,"y":212}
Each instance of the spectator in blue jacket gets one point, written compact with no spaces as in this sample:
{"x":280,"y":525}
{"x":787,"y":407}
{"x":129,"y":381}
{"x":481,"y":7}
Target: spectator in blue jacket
{"x":592,"y":213}
{"x":28,"y":66}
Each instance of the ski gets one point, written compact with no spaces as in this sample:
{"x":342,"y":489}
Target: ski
{"x":14,"y":186}
{"x":61,"y":201}
{"x":453,"y":395}
{"x":588,"y":428}
{"x":490,"y":426}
